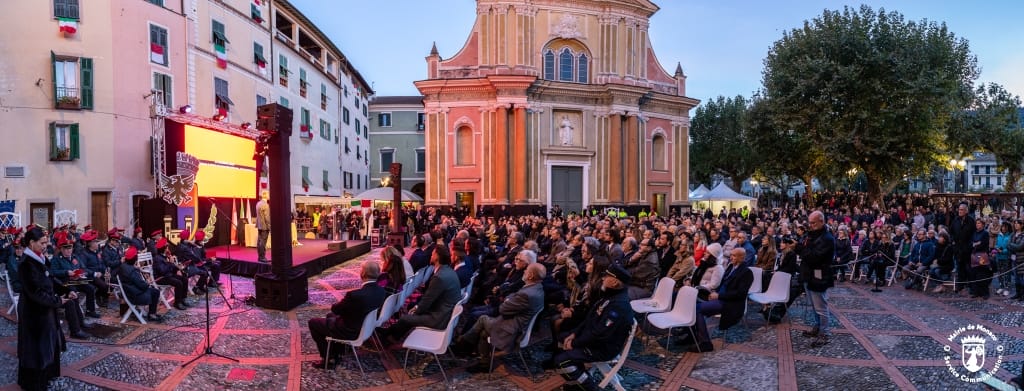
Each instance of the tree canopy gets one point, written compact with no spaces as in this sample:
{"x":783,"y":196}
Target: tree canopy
{"x":719,"y":145}
{"x":869,"y":90}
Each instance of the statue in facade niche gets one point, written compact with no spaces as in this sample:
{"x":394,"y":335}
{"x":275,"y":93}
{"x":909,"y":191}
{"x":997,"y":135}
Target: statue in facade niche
{"x":565,"y":131}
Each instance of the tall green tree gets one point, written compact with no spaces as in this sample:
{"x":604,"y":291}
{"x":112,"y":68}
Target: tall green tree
{"x":783,"y":152}
{"x":873,"y":90}
{"x":718,"y":145}
{"x":990,"y":123}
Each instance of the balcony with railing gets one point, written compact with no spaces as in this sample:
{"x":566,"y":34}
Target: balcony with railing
{"x":68,"y":98}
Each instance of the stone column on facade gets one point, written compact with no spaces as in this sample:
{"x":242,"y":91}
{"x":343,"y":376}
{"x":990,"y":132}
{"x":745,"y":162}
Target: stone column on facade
{"x":615,"y":167}
{"x":519,"y":155}
{"x":632,"y":166}
{"x":501,"y":166}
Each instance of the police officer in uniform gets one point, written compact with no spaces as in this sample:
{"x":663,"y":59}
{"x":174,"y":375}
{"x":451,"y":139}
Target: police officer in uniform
{"x":601,"y":336}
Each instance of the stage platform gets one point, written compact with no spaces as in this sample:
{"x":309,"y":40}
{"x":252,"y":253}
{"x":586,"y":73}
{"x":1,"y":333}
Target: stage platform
{"x":312,"y":255}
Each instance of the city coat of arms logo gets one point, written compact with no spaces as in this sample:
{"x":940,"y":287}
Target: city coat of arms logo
{"x":974,"y":350}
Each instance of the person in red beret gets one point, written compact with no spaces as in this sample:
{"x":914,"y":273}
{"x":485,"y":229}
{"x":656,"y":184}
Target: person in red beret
{"x":209,"y":263}
{"x":154,"y":237}
{"x":138,"y":240}
{"x":112,"y":252}
{"x":167,"y":272}
{"x":65,"y":268}
{"x":94,"y":266}
{"x":188,"y":255}
{"x":139,"y":291}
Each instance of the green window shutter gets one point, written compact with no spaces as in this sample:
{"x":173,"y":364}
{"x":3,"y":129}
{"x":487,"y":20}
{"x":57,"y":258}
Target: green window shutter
{"x":53,"y":69}
{"x":302,"y":74}
{"x":86,"y":65}
{"x":53,"y":140}
{"x":73,"y":140}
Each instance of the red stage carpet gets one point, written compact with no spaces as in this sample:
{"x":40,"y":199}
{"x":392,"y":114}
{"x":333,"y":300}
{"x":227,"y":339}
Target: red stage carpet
{"x":312,"y":255}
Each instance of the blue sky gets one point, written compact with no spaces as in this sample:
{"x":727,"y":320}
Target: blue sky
{"x":720,"y":44}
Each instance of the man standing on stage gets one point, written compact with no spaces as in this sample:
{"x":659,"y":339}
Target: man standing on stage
{"x":262,"y":226}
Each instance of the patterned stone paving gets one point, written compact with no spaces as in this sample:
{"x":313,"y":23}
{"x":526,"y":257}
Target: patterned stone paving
{"x":881,"y":341}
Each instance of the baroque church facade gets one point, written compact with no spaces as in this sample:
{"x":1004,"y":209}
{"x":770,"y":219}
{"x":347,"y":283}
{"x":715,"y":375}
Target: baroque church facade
{"x":554,"y":102}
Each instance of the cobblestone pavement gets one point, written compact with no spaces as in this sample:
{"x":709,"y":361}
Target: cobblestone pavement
{"x":890,"y":340}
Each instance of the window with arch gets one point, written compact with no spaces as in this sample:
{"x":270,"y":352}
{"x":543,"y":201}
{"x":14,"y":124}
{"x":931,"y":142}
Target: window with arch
{"x":582,"y":69}
{"x":659,"y":159}
{"x":549,"y":65}
{"x":464,"y":146}
{"x":565,"y":64}
{"x":566,"y":60}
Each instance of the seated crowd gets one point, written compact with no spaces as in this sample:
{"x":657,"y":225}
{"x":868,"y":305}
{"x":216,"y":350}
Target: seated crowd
{"x":80,"y":262}
{"x":578,"y":274}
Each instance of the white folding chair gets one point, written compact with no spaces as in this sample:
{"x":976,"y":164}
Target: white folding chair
{"x":683,"y":314}
{"x":894,"y":268}
{"x":10,"y":292}
{"x":852,"y":264}
{"x":524,"y":342}
{"x":145,"y":263}
{"x":777,"y":293}
{"x":610,"y":369}
{"x":369,"y":321}
{"x":132,"y":308}
{"x":432,"y":341}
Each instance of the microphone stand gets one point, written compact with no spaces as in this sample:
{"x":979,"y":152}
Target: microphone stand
{"x":209,"y":348}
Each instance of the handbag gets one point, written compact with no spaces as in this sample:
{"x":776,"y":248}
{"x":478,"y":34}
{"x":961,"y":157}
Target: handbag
{"x":979,"y":259}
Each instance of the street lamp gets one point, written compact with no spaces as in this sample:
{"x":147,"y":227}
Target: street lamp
{"x":957,"y":164}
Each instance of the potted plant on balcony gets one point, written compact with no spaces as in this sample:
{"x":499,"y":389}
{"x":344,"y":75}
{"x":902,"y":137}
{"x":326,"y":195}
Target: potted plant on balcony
{"x":69,"y":102}
{"x":62,"y":154}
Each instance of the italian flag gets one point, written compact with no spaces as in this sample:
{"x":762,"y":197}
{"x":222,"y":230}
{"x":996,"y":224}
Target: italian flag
{"x":67,"y":26}
{"x":263,"y":67}
{"x":222,"y":56}
{"x":156,"y":53}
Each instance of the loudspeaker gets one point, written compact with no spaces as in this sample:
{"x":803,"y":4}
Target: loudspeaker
{"x":281,"y":293}
{"x":337,"y":246}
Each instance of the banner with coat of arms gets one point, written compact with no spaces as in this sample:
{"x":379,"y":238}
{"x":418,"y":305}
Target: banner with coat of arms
{"x":177,"y":188}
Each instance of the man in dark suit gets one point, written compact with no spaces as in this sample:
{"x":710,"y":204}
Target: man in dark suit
{"x":345,"y":320}
{"x":515,"y":314}
{"x":961,"y":231}
{"x":728,"y":300}
{"x":435,"y":306}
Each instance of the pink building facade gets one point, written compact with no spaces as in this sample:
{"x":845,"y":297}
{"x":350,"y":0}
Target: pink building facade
{"x":553,"y":104}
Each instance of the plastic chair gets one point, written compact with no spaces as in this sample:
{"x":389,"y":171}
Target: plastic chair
{"x":387,"y":310}
{"x":369,"y":321}
{"x":132,"y":308}
{"x":610,"y":369}
{"x":660,"y":301}
{"x":777,"y":293}
{"x":432,"y":341}
{"x":683,"y":314}
{"x":10,"y":292}
{"x":524,"y":342}
{"x":755,"y":287}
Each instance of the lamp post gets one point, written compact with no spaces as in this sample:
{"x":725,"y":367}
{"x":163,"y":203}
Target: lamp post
{"x":958,"y":168}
